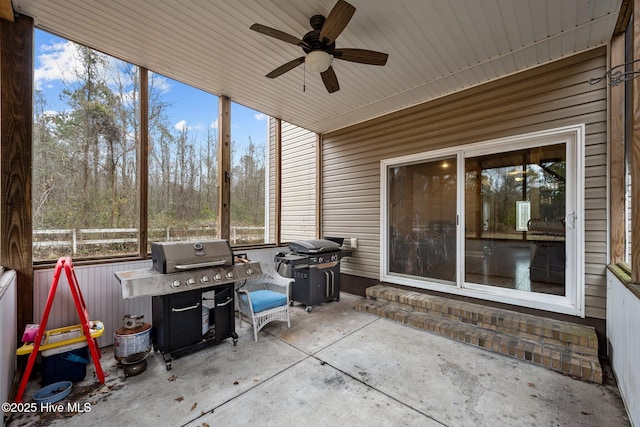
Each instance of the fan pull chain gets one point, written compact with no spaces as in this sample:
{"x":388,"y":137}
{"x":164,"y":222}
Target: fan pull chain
{"x":304,"y":77}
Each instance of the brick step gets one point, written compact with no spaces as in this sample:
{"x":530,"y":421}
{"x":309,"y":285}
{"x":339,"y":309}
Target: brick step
{"x":573,"y":338}
{"x":565,"y":347}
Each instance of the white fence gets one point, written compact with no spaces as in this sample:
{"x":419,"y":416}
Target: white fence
{"x":81,"y":240}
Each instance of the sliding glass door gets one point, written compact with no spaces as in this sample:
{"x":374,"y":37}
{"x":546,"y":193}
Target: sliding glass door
{"x":515,"y":210}
{"x":422,"y":225}
{"x":497,"y":220}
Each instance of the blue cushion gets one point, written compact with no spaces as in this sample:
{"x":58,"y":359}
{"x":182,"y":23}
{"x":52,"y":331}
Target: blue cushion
{"x":264,"y":300}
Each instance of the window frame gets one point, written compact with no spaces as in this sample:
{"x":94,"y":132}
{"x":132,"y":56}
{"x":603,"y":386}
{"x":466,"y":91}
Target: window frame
{"x":142,"y":178}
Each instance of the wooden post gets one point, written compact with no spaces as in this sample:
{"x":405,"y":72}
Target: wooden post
{"x":318,"y":185}
{"x":224,"y":167}
{"x":143,"y":164}
{"x":278,"y":177}
{"x":16,"y":129}
{"x":617,"y":178}
{"x":635,"y":151}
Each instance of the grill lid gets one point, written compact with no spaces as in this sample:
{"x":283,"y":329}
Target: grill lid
{"x":317,"y":246}
{"x":169,"y":257}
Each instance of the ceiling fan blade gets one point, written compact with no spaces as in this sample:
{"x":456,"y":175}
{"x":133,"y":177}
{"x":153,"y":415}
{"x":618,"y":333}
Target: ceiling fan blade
{"x":280,"y":35}
{"x":330,"y":80}
{"x":337,"y":20}
{"x":6,"y":10}
{"x":362,"y":56}
{"x":286,"y":67}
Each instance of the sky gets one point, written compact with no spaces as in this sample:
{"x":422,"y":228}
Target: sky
{"x":191,"y":108}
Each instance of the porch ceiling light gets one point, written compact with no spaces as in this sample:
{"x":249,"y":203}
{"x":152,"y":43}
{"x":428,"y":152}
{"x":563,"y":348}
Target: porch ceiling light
{"x":318,"y":61}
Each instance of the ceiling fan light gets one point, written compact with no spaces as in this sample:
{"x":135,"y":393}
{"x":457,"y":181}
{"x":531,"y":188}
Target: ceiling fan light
{"x":318,"y":61}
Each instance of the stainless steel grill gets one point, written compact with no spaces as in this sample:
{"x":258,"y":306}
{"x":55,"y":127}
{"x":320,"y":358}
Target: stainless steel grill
{"x":185,"y":266}
{"x":182,"y":272}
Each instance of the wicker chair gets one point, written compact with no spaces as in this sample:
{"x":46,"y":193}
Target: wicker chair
{"x":264,"y":298}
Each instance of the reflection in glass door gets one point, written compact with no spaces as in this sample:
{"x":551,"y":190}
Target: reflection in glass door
{"x":422,"y":220}
{"x":515,"y":209}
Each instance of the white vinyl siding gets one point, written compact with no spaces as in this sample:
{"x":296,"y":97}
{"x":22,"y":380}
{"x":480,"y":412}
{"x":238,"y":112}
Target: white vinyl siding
{"x":298,"y":183}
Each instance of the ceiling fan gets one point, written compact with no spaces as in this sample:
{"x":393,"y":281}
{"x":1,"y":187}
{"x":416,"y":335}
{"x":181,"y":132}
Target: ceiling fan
{"x":320,"y":47}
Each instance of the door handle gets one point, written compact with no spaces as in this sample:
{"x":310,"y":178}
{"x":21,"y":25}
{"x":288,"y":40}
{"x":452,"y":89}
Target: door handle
{"x":571,"y":219}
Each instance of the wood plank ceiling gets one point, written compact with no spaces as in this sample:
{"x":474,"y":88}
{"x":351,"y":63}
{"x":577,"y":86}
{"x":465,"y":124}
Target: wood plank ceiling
{"x":435,"y":47}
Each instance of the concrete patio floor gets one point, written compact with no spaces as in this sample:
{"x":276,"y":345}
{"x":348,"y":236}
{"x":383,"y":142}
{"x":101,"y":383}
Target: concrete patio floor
{"x":336,"y":367}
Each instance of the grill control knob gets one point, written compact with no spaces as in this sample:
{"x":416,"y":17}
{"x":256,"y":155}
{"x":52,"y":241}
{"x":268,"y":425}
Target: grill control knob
{"x":217,"y":277}
{"x":334,"y":257}
{"x":190,"y":281}
{"x":249,"y":272}
{"x":229,"y":275}
{"x":204,"y":279}
{"x":175,"y":283}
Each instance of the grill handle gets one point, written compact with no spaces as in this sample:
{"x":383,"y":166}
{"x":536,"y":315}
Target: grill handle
{"x":200,"y":265}
{"x":225,"y":303}
{"x":177,"y":310}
